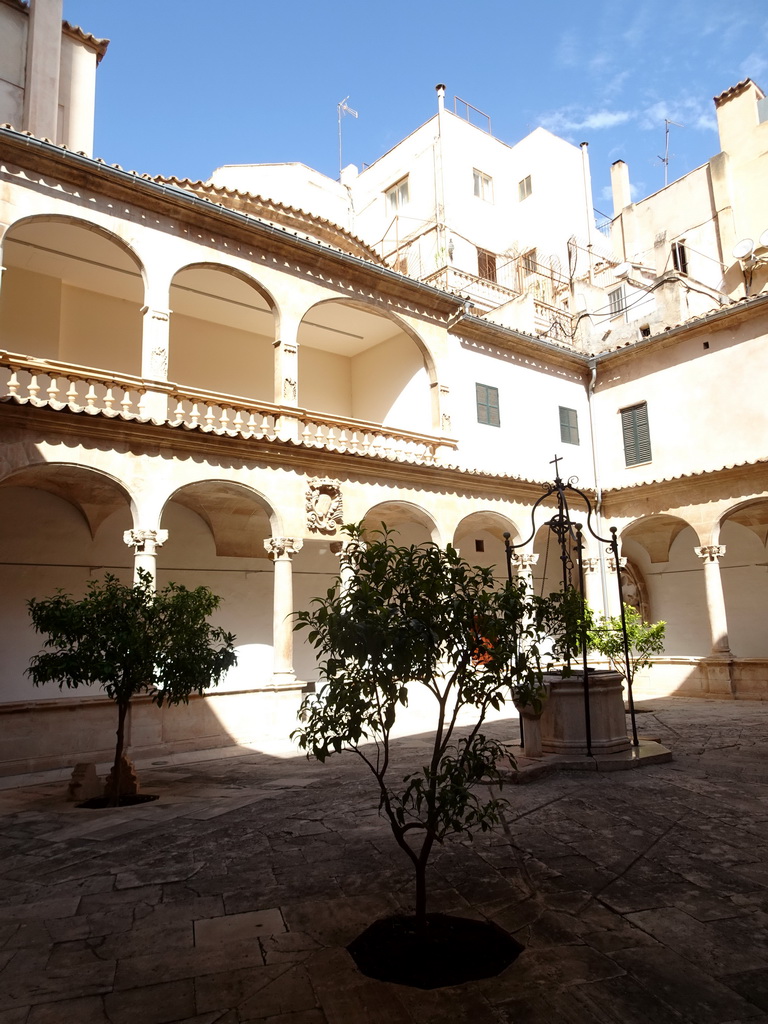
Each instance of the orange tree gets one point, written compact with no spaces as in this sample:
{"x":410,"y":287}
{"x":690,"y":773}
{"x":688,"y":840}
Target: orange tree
{"x":131,"y":640}
{"x":400,"y":617}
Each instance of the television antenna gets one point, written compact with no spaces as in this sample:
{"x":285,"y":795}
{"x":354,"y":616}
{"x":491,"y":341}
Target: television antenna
{"x":342,"y":109}
{"x":665,"y":159}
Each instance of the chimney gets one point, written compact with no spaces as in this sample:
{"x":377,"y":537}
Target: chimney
{"x":41,"y":86}
{"x":622,"y":194}
{"x":440,"y":90}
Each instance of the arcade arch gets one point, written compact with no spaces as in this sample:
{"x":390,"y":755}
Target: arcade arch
{"x":62,"y":526}
{"x":744,"y":571}
{"x":72,"y":292}
{"x":358,"y":363}
{"x":222,"y":333}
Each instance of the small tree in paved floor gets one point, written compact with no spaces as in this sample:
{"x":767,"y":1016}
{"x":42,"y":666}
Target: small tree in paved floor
{"x":131,"y":640}
{"x":644,"y":639}
{"x":419,"y":615}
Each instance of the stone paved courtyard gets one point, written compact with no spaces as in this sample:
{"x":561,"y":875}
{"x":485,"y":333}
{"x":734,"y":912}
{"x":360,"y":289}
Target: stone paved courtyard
{"x":640,"y":896}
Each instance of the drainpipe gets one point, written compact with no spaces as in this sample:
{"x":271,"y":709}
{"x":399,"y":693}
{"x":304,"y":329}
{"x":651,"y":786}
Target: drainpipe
{"x":587,"y":178}
{"x":439,"y":182}
{"x":598,"y":487}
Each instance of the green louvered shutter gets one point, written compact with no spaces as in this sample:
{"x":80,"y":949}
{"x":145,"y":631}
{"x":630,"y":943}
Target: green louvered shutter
{"x":637,"y":438}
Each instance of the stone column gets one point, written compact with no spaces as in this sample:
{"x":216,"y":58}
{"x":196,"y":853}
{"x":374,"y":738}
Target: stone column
{"x":280,"y":550}
{"x":612,"y":584}
{"x":155,"y":342}
{"x":346,"y":571}
{"x":593,"y":590}
{"x":145,"y":544}
{"x":711,"y":554}
{"x":524,"y":563}
{"x":41,"y":84}
{"x":287,"y":377}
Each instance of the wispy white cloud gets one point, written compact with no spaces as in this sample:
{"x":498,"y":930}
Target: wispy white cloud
{"x":686,"y":111}
{"x":568,"y":51}
{"x":755,"y":66}
{"x":570,"y":119}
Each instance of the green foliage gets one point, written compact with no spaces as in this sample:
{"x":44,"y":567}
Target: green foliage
{"x":419,"y":615}
{"x":644,"y":639}
{"x":132,"y":640}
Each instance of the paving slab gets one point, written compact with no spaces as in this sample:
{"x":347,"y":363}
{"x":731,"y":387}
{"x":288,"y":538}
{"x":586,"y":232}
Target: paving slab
{"x":641,"y":897}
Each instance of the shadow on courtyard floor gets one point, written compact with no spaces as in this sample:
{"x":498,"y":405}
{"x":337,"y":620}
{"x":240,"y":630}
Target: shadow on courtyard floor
{"x":639,"y":896}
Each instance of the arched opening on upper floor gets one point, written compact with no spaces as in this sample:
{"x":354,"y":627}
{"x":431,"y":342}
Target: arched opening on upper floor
{"x":479,"y":538}
{"x":744,"y":574}
{"x":72,"y":292}
{"x":222,"y":333}
{"x":63,"y":525}
{"x":216,"y":533}
{"x":661,"y":551}
{"x":358,"y":363}
{"x":408,"y":523}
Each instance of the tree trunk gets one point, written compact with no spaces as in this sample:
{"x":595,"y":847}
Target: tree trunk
{"x":122,"y":710}
{"x":421,"y":895}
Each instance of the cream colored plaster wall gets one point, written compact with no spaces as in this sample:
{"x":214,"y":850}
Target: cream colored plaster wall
{"x":555,"y":209}
{"x":676,"y":594}
{"x":30,"y":312}
{"x":244,"y":585}
{"x":706,"y":407}
{"x":325,"y":381}
{"x":530,"y":398}
{"x":744,"y":571}
{"x":101,"y":331}
{"x":390,"y":386}
{"x":13,"y":49}
{"x":45,"y":544}
{"x":215,"y":357}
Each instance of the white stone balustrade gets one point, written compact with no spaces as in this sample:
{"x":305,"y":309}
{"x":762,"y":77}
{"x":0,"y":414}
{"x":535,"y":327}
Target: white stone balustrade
{"x":61,"y":386}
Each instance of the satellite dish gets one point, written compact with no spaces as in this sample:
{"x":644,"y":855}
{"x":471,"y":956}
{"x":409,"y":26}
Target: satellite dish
{"x":764,"y":239}
{"x":743,"y":249}
{"x":623,"y":270}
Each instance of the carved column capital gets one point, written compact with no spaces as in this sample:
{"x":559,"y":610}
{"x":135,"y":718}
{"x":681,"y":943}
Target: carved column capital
{"x":145,"y":542}
{"x":591,"y":564}
{"x":280,"y":548}
{"x":524,"y":560}
{"x":710,"y":552}
{"x":611,"y":563}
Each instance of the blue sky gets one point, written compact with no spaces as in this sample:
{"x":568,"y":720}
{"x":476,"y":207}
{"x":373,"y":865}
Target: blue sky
{"x":186,"y":87}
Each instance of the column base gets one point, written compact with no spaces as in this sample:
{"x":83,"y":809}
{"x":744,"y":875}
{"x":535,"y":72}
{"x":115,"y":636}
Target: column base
{"x":718,"y":674}
{"x":285,"y":681}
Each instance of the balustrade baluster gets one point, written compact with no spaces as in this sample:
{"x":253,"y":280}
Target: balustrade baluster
{"x":237,"y":422}
{"x":33,"y":387}
{"x":109,"y":400}
{"x":142,"y":406}
{"x":127,"y":402}
{"x":52,"y":390}
{"x":178,"y":412}
{"x":223,"y":419}
{"x":90,"y":399}
{"x":13,"y":384}
{"x":72,"y":395}
{"x":209,"y":416}
{"x":194,"y":415}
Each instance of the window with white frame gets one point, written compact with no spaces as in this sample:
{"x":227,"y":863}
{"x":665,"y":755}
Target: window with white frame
{"x":397,"y":195}
{"x":483,"y":185}
{"x":616,"y":301}
{"x":524,"y":188}
{"x":679,"y":257}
